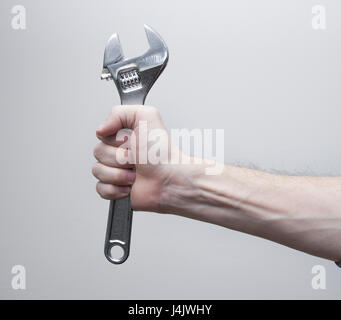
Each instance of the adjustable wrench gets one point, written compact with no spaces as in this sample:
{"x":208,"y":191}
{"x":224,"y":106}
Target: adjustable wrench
{"x":133,"y":78}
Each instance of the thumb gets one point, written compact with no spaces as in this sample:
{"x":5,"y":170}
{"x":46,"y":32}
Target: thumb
{"x":121,"y":117}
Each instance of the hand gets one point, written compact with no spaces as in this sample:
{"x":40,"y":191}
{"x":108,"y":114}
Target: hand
{"x":149,"y":183}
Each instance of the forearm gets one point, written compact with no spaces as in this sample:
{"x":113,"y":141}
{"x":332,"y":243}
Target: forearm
{"x":300,"y":212}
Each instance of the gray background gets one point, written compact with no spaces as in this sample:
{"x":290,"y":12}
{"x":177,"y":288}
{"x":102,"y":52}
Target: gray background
{"x":255,"y":68}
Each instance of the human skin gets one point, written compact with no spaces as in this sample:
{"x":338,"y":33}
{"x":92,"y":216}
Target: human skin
{"x":303,"y":213}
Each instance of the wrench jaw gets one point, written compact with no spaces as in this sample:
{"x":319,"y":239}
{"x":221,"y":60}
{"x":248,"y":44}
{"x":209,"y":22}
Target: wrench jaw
{"x":134,"y":77}
{"x":112,"y":54}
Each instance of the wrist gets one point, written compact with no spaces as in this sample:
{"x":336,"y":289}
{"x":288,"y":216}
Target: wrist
{"x":180,"y":193}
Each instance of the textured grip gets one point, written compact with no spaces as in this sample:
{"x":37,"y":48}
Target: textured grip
{"x":118,"y":229}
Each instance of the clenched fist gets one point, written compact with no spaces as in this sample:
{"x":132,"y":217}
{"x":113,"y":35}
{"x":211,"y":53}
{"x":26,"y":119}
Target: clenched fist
{"x":124,"y":164}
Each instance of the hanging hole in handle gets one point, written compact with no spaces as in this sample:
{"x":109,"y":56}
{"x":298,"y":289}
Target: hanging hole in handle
{"x":116,"y":253}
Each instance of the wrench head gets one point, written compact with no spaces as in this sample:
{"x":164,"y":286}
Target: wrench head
{"x":135,"y":76}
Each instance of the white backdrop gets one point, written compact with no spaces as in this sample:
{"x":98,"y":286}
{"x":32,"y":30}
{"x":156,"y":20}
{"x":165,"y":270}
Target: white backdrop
{"x":255,"y":68}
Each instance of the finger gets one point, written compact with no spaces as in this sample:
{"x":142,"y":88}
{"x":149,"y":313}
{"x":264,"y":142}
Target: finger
{"x":114,"y":157}
{"x":120,"y":117}
{"x":110,"y":175}
{"x":111,"y":192}
{"x":117,"y":140}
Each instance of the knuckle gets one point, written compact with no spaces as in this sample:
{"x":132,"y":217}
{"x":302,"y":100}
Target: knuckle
{"x":152,"y":110}
{"x":116,"y":109}
{"x":97,"y":150}
{"x":95,"y":170}
{"x":99,"y":188}
{"x":106,"y":191}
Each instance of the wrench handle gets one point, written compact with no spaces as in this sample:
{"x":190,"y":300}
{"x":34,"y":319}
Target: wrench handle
{"x":120,"y":216}
{"x":119,"y":229}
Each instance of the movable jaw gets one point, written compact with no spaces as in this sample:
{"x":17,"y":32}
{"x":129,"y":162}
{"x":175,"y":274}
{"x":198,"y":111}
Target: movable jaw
{"x":134,"y":77}
{"x":113,"y":51}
